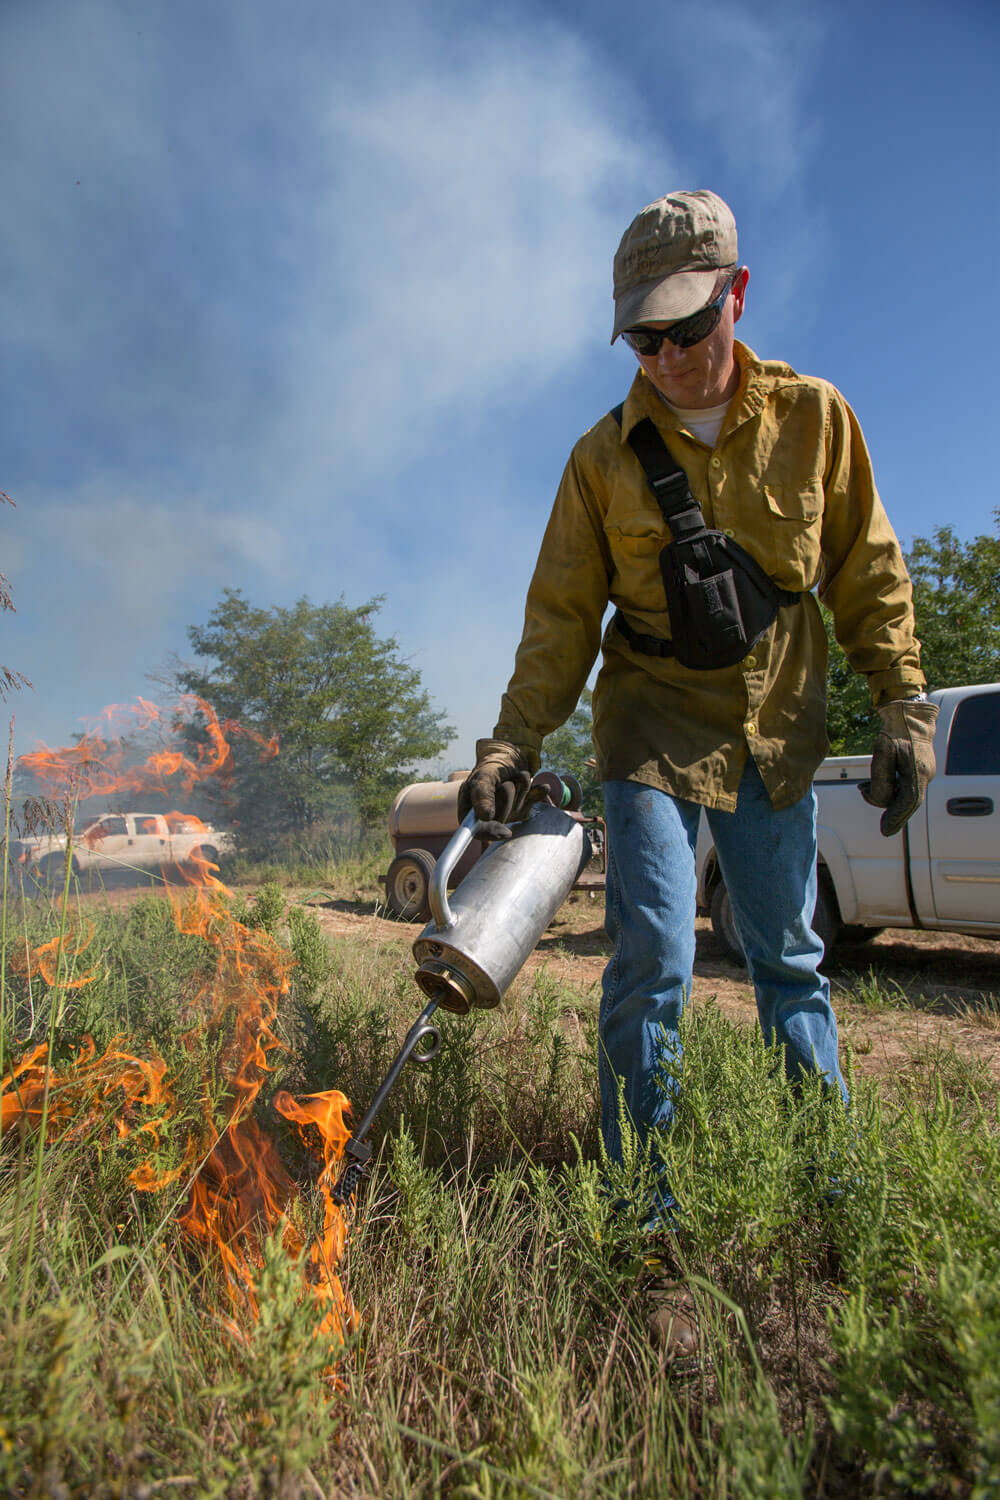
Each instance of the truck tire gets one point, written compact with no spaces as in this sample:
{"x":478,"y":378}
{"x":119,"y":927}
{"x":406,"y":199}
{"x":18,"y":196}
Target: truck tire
{"x":826,"y":920}
{"x":724,"y":924}
{"x":407,"y":884}
{"x":856,"y":933}
{"x":52,"y":871}
{"x":826,"y":917}
{"x":205,"y":851}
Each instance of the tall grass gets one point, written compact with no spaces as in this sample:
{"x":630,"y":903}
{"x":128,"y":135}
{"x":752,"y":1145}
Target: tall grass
{"x":344,"y":866}
{"x":844,"y":1264}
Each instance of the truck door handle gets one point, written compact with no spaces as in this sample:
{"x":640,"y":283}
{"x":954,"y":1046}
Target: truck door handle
{"x":969,"y":807}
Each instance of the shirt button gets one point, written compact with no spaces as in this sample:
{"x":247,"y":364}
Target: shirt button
{"x":751,"y":729}
{"x":750,"y":662}
{"x":716,"y":463}
{"x":729,"y":531}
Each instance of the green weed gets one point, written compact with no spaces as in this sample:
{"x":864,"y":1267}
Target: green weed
{"x":983,"y":1011}
{"x":873,"y":992}
{"x":917,"y":1339}
{"x":843,"y":1261}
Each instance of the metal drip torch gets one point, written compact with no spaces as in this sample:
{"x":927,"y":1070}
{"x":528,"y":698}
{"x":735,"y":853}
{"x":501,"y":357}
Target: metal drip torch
{"x":473,"y":947}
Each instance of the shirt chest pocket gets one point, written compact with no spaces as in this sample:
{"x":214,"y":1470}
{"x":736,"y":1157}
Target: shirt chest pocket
{"x":793,"y":523}
{"x":635,"y":553}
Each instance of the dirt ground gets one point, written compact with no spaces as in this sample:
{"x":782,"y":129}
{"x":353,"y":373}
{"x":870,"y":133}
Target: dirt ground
{"x":944,"y":987}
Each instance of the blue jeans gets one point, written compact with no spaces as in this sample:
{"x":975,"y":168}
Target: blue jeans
{"x":768,"y":861}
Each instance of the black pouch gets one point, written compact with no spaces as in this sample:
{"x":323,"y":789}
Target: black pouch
{"x":719,"y":598}
{"x":705,"y":613}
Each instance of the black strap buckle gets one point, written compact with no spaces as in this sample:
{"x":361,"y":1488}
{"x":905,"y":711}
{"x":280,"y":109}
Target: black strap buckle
{"x":666,"y":482}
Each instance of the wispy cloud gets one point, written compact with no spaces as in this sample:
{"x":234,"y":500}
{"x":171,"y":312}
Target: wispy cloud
{"x":462,"y":217}
{"x":131,"y":554}
{"x":745,"y":81}
{"x":271,"y":275}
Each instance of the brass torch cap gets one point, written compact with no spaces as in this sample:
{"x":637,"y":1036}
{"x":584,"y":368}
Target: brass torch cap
{"x":440,"y":982}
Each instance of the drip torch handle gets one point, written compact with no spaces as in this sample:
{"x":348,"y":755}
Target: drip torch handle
{"x":562,"y":791}
{"x":451,"y":854}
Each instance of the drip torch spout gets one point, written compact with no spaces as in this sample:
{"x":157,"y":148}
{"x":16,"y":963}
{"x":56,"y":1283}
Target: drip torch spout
{"x":357,"y":1152}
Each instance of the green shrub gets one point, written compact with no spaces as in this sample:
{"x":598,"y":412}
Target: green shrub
{"x":311,"y":951}
{"x":918,"y":1336}
{"x":843,"y":1261}
{"x":268,"y":910}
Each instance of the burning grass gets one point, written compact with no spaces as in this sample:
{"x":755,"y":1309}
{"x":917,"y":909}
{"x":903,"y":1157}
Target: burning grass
{"x":207,"y":1147}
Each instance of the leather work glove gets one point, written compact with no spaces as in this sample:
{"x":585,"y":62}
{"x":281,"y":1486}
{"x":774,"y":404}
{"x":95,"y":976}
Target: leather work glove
{"x":499,"y":789}
{"x":902,"y":761}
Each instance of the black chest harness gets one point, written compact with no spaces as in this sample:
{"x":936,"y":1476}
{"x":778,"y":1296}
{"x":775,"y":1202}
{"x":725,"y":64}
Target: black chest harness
{"x":719,"y":598}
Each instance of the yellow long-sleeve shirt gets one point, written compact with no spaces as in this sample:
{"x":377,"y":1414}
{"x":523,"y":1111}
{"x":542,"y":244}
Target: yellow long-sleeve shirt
{"x":791,"y":480}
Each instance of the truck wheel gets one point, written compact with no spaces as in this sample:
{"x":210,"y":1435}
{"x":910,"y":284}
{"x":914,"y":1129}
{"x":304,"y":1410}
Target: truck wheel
{"x":826,"y":922}
{"x":205,"y":851}
{"x":723,"y":923}
{"x":52,"y":871}
{"x":856,"y":933}
{"x":407,"y":883}
{"x":826,"y":917}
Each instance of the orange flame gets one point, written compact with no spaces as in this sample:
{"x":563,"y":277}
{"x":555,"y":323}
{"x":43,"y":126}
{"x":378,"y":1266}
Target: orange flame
{"x":77,"y":1098}
{"x":325,"y":1113}
{"x":239,"y":1191}
{"x":53,"y":960}
{"x":96,"y":765}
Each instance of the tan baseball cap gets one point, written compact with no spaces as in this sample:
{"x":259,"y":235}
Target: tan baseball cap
{"x":670,"y":256}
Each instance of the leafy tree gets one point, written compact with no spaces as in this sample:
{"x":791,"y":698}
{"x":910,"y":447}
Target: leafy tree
{"x":956,"y":596}
{"x":851,"y":722}
{"x":571,"y":748}
{"x":956,"y":590}
{"x":349,"y":713}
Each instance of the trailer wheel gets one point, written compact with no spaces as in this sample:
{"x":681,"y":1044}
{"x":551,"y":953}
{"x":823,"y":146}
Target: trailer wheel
{"x":407,"y":884}
{"x":826,"y":919}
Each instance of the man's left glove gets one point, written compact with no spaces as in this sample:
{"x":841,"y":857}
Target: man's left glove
{"x":902,"y":761}
{"x":499,"y":789}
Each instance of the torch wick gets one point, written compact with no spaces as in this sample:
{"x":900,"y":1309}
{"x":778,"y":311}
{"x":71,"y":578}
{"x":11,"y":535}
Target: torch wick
{"x":357,"y":1152}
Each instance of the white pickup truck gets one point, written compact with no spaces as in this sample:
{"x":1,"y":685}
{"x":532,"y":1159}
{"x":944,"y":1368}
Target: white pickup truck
{"x":942,"y":871}
{"x":122,"y":841}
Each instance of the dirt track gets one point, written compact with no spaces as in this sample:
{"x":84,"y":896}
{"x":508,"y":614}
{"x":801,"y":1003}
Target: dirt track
{"x":945,"y":987}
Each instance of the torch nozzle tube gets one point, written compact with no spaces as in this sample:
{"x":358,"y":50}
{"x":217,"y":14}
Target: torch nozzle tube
{"x":357,"y":1152}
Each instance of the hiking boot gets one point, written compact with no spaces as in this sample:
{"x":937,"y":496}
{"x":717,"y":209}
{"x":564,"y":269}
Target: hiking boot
{"x":672,"y":1321}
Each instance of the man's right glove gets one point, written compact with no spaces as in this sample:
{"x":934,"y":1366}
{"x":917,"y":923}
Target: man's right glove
{"x":902,"y":761}
{"x":499,"y":789}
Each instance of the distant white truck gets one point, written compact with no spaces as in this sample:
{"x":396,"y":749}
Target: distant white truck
{"x":122,"y":841}
{"x":941,"y":872}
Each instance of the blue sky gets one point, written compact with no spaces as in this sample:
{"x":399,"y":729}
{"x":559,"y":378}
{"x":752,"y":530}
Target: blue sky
{"x":301,"y":299}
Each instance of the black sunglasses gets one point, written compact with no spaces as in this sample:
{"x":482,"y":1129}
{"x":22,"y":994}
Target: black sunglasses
{"x":686,"y":332}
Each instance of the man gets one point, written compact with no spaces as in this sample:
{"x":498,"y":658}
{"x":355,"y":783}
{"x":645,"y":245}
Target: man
{"x":777,"y":465}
